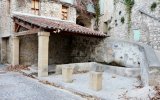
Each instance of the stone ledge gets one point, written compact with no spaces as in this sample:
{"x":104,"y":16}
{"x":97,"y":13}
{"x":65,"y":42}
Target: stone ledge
{"x":93,"y":66}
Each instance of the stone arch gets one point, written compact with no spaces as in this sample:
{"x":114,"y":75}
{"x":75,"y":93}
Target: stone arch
{"x":86,"y":22}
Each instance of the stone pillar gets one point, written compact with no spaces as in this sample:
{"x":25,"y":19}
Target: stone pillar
{"x":67,"y":74}
{"x":3,"y":50}
{"x":15,"y":51}
{"x":96,"y":80}
{"x":43,"y":46}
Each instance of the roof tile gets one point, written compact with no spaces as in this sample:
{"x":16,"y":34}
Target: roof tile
{"x":47,"y":23}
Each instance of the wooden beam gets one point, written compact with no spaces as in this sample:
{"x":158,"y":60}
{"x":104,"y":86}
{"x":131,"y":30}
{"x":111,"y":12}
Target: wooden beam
{"x":23,"y":24}
{"x":31,"y":31}
{"x":17,"y":27}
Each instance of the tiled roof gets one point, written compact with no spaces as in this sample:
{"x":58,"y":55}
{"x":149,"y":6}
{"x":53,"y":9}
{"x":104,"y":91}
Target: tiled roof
{"x":47,"y":23}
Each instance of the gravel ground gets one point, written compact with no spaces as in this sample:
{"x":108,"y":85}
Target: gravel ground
{"x":14,"y":86}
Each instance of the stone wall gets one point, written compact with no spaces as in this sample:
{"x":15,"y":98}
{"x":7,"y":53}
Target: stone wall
{"x":148,"y":27}
{"x":84,"y":48}
{"x":124,"y":53}
{"x":28,"y":50}
{"x":47,"y":8}
{"x":6,"y":50}
{"x":5,"y":21}
{"x":63,"y":49}
{"x":60,"y":49}
{"x":115,"y":52}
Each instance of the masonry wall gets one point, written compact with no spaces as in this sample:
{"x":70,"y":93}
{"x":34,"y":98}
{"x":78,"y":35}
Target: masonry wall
{"x":47,"y":8}
{"x":63,"y":49}
{"x":124,"y":53}
{"x":6,"y":50}
{"x":108,"y":51}
{"x":59,"y":49}
{"x":28,"y":50}
{"x":149,"y":27}
{"x":84,"y":48}
{"x":5,"y":21}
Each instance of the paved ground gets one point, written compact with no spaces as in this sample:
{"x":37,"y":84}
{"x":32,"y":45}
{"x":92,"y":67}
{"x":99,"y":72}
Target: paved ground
{"x":114,"y":86}
{"x":14,"y":86}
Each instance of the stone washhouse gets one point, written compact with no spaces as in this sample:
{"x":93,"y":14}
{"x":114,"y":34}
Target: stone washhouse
{"x":48,"y":32}
{"x":43,"y":33}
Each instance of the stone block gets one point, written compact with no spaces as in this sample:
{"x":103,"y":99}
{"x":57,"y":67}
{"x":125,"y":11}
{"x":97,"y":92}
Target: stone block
{"x":67,"y":74}
{"x":96,"y":80}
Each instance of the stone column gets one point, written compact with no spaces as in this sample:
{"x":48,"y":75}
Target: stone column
{"x":15,"y":51}
{"x":43,"y":46}
{"x":96,"y":80}
{"x":3,"y":50}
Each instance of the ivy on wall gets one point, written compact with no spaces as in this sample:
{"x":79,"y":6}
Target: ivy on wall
{"x":129,"y":5}
{"x":154,"y":5}
{"x":122,"y":20}
{"x":97,"y":13}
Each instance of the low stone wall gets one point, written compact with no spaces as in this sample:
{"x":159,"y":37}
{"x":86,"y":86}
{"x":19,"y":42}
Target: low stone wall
{"x":122,"y":71}
{"x":78,"y":67}
{"x":93,"y":66}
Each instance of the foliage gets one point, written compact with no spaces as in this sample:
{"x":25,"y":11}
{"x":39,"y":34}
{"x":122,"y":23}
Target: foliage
{"x":122,"y":20}
{"x":153,"y":6}
{"x":129,"y":5}
{"x":97,"y":13}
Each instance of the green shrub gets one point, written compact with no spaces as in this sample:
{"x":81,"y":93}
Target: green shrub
{"x":153,"y":6}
